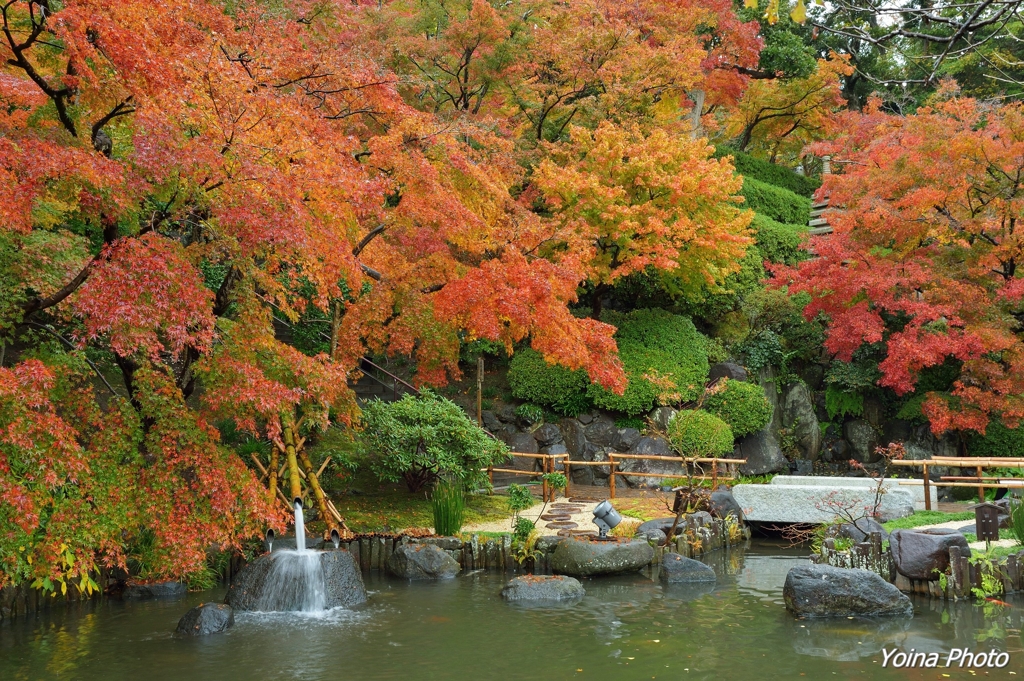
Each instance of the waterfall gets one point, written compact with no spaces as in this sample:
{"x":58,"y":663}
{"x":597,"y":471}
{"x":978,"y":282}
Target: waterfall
{"x":295,"y":583}
{"x":300,"y":527}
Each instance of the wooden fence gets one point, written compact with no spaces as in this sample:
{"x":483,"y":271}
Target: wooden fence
{"x":978,"y":481}
{"x":549,"y":464}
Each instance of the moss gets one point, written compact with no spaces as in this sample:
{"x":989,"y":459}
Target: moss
{"x":780,"y":176}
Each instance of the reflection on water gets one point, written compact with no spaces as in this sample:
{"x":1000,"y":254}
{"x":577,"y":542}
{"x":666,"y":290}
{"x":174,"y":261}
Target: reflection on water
{"x":625,"y":628}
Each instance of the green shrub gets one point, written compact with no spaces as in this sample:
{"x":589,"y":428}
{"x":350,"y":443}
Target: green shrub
{"x":700,"y":434}
{"x":765,"y":171}
{"x":522,"y":528}
{"x":741,"y":405}
{"x":998,"y":440}
{"x":1017,"y":521}
{"x":776,"y":203}
{"x":839,"y":402}
{"x":533,"y":379}
{"x":779,"y":242}
{"x":530,"y":412}
{"x":421,"y":438}
{"x":655,"y":342}
{"x":449,"y":505}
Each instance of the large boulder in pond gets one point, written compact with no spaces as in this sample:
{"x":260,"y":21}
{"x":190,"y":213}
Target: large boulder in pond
{"x":826,"y":591}
{"x":139,"y":592}
{"x":291,"y":580}
{"x":422,"y":561}
{"x":923,"y":554}
{"x":680,"y":569}
{"x":543,"y":588}
{"x":205,"y":619}
{"x":584,"y":557}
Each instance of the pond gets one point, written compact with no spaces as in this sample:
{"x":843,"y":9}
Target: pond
{"x":625,"y":628}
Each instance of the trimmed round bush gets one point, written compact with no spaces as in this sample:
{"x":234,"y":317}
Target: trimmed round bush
{"x":655,"y":342}
{"x":741,"y":405}
{"x":777,"y":203}
{"x":700,"y":434}
{"x":533,"y":379}
{"x":998,"y":441}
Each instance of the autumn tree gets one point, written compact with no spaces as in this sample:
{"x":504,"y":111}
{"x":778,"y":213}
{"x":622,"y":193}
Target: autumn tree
{"x":924,"y":258}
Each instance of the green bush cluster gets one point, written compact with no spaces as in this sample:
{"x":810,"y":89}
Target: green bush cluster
{"x":771,"y":173}
{"x":998,"y":440}
{"x":650,"y":342}
{"x":741,"y":405}
{"x":420,"y":439}
{"x":779,"y":242}
{"x":700,"y":434}
{"x":532,"y":378}
{"x":776,"y":203}
{"x":655,"y":342}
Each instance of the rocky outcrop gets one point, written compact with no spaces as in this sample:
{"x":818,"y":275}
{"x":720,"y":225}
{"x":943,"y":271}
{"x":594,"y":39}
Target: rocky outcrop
{"x":730,"y":370}
{"x":762,"y":452}
{"x":924,"y":554}
{"x":422,"y":561}
{"x":825,"y":591}
{"x":679,"y":569}
{"x":206,"y":619}
{"x":257,"y":586}
{"x":660,"y":417}
{"x":863,"y":439}
{"x":799,"y":418}
{"x":657,"y":446}
{"x":543,"y":588}
{"x":140,"y":592}
{"x":584,"y":558}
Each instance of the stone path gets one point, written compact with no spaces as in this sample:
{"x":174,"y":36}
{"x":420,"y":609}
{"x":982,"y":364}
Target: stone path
{"x":584,"y":518}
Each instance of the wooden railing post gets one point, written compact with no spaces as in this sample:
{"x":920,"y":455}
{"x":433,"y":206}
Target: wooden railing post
{"x":568,"y":475}
{"x":714,"y":474}
{"x":927,"y":490}
{"x":543,"y":481}
{"x":981,"y":489}
{"x":611,"y":476}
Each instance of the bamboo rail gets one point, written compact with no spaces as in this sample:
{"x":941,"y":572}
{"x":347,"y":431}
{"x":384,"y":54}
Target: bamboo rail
{"x":978,"y":463}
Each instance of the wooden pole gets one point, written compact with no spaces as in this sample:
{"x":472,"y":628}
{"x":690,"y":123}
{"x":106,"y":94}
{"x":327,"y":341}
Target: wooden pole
{"x":927,"y":490}
{"x":543,"y":481}
{"x":293,"y":463}
{"x":568,"y":477}
{"x":611,"y":476}
{"x":714,"y":475}
{"x":318,"y":492}
{"x":981,"y":490}
{"x":480,"y":390}
{"x":272,"y":484}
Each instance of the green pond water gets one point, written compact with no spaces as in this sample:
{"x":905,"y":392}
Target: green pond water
{"x":625,"y":628}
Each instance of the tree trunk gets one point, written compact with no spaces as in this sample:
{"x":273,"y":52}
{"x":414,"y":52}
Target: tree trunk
{"x":318,"y":492}
{"x":596,"y":307}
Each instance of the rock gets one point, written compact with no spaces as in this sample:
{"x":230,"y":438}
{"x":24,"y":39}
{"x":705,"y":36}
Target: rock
{"x":139,"y":592}
{"x":506,"y":413}
{"x":543,"y":588}
{"x":585,"y":419}
{"x":574,"y":437}
{"x":205,"y":619}
{"x":547,"y":435}
{"x":816,"y":503}
{"x":583,"y":475}
{"x":799,"y":417}
{"x":555,"y":449}
{"x":813,"y":375}
{"x":826,"y":591}
{"x":729,"y":370}
{"x":874,"y":412}
{"x":491,"y":421}
{"x":256,"y":588}
{"x":627,"y":439}
{"x":660,"y":416}
{"x":422,"y":561}
{"x":652,"y":445}
{"x":657,"y":529}
{"x":602,"y":432}
{"x":676,"y":568}
{"x":522,"y":443}
{"x":580,"y":557}
{"x":802,"y":467}
{"x":861,"y":530}
{"x":723,"y":504}
{"x":840,"y":450}
{"x":863,"y":439}
{"x":547,"y":543}
{"x":762,"y":452}
{"x":923,"y":554}
{"x":287,"y":542}
{"x":897,"y":430}
{"x":923,"y":445}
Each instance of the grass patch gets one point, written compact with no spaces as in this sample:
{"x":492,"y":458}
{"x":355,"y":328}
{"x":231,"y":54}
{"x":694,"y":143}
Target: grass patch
{"x":643,"y":508}
{"x":926,"y":518}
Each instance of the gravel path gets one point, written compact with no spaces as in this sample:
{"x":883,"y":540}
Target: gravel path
{"x":975,"y":545}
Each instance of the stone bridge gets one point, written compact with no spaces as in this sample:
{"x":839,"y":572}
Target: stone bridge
{"x":812,"y":500}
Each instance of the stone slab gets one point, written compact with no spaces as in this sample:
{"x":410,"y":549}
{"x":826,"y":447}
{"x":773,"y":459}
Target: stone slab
{"x":807,"y":503}
{"x":915,"y":487}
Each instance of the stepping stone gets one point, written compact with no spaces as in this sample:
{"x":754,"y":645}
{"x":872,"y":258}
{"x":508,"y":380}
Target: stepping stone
{"x":562,"y":525}
{"x":556,"y":516}
{"x":566,"y":507}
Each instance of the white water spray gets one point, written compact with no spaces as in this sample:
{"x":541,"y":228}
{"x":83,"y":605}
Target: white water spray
{"x":300,"y":527}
